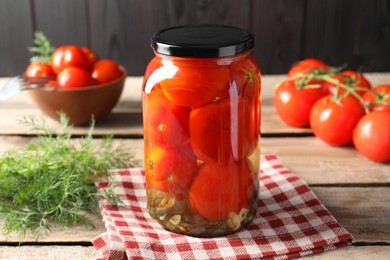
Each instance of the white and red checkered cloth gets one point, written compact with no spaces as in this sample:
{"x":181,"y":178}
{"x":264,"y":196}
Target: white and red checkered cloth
{"x":290,"y":222}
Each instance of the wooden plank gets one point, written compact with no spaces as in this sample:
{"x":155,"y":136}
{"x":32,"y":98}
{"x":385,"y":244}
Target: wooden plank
{"x":126,"y":118}
{"x":330,"y":31}
{"x":81,"y":253}
{"x":277,"y":26}
{"x":355,"y":253}
{"x":48,"y":252}
{"x":364,"y":212}
{"x":121,"y":30}
{"x":16,"y":31}
{"x":64,"y":22}
{"x":319,"y":163}
{"x":312,"y":160}
{"x":375,"y":36}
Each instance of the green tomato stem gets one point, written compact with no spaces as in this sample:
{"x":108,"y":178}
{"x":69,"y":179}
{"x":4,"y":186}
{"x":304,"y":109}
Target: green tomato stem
{"x":348,"y":89}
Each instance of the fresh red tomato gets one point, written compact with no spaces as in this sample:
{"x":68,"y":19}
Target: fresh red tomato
{"x":372,"y":136}
{"x":91,"y":56}
{"x":39,"y":69}
{"x":330,"y":88}
{"x":357,"y":80}
{"x":350,"y":78}
{"x":307,"y":66}
{"x":170,"y":171}
{"x":221,"y":189}
{"x":74,"y":77}
{"x":293,"y":105}
{"x":69,"y":56}
{"x":379,"y":98}
{"x":105,"y":71}
{"x":219,"y":131}
{"x":334,"y":122}
{"x":166,"y":124}
{"x":194,"y":82}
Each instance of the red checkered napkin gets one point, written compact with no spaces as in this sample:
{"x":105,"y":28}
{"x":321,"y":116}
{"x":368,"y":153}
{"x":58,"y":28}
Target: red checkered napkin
{"x":290,"y":222}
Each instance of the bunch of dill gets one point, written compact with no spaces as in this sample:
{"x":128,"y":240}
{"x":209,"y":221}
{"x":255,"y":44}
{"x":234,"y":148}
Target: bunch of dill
{"x":50,"y":181}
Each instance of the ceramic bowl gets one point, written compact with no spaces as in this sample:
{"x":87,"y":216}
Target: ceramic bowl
{"x":81,"y":103}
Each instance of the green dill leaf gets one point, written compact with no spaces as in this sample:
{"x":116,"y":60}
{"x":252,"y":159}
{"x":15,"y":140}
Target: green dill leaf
{"x":110,"y":196}
{"x":50,"y":181}
{"x":42,"y":50}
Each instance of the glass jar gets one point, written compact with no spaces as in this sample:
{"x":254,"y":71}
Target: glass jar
{"x":201,"y":117}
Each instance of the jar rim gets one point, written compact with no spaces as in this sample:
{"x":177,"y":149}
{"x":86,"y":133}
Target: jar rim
{"x":202,"y":41}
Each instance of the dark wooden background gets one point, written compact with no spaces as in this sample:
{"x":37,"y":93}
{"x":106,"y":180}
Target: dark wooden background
{"x":353,"y":32}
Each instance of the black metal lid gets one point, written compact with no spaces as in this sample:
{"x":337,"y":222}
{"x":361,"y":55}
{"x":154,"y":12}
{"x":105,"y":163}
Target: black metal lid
{"x":202,"y":41}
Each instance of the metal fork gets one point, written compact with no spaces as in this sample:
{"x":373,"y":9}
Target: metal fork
{"x":19,"y":83}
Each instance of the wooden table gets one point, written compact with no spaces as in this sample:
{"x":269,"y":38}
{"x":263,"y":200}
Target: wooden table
{"x":354,"y":189}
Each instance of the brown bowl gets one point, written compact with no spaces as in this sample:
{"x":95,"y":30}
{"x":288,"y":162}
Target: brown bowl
{"x":81,"y":103}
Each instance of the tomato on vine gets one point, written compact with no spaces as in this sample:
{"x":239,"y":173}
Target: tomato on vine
{"x":357,"y":80}
{"x":308,"y":66}
{"x":348,"y":80}
{"x":379,"y":98}
{"x":332,"y":85}
{"x":372,"y":136}
{"x":293,"y":103}
{"x":350,"y":111}
{"x":333,"y":120}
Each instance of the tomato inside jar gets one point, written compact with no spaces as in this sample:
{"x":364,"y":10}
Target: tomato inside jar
{"x":201,"y":104}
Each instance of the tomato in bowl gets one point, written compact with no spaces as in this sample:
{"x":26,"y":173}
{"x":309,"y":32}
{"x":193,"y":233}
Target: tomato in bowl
{"x":79,"y":83}
{"x":79,"y":104}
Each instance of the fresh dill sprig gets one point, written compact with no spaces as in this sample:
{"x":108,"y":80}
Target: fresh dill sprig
{"x":42,"y":48}
{"x":50,"y":181}
{"x":110,"y":196}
